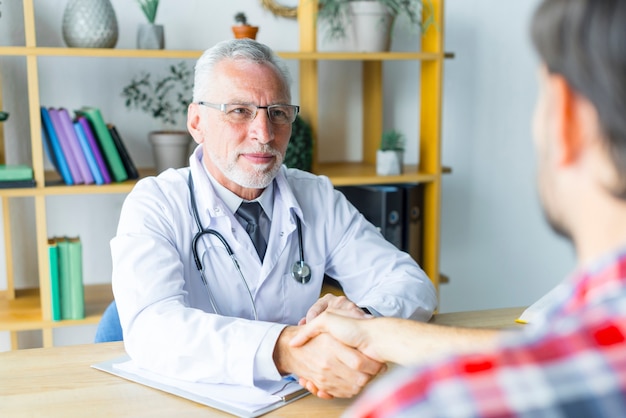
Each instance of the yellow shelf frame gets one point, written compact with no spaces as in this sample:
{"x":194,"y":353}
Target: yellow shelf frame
{"x":30,"y":309}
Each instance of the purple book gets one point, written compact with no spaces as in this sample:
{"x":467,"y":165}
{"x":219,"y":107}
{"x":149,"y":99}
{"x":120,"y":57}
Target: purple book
{"x":81,"y":160}
{"x":95,"y":149}
{"x":65,"y":146}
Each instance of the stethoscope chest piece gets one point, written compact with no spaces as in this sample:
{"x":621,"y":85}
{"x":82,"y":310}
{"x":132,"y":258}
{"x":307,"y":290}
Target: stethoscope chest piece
{"x":301,"y":272}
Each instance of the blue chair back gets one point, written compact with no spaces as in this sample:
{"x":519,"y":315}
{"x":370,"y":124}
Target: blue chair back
{"x":109,"y":328}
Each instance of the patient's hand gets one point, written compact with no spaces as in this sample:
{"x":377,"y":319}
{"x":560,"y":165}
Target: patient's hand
{"x":340,"y":304}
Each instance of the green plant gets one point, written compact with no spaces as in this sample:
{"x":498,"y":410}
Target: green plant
{"x":166,"y":98}
{"x":300,"y":149}
{"x":241,"y":19}
{"x":392,"y":140}
{"x":335,"y":13}
{"x":149,"y":8}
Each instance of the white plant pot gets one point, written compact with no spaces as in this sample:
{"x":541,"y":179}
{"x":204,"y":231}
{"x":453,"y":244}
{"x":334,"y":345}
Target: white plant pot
{"x":371,"y":24}
{"x":389,"y":163}
{"x":170,"y":149}
{"x":150,"y":36}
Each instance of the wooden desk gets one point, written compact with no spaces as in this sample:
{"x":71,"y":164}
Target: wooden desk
{"x":58,"y":382}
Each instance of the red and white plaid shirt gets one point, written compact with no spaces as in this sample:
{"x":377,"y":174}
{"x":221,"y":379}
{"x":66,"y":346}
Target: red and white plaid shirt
{"x":571,"y":365}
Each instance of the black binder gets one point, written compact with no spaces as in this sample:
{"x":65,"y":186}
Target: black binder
{"x":383,"y":206}
{"x":396,"y":210}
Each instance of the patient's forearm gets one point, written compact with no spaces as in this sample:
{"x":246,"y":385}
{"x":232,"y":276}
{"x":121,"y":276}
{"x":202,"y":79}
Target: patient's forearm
{"x":411,"y":342}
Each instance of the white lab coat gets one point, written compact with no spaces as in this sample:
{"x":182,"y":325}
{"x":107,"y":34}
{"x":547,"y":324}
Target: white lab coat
{"x":169,"y":325}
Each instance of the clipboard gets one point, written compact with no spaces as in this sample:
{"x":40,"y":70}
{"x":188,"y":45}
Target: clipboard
{"x":227,"y":398}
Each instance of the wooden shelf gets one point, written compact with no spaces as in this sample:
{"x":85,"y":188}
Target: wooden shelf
{"x":194,"y":54}
{"x":27,"y":310}
{"x":24,"y":312}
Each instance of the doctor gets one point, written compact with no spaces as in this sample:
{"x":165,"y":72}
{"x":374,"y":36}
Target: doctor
{"x":206,"y":293}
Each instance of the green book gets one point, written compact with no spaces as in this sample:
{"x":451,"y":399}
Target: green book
{"x":15,"y":172}
{"x":53,"y":254}
{"x":111,"y":155}
{"x":71,"y":278}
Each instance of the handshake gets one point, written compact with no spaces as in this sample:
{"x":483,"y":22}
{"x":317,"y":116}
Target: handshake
{"x":334,"y":349}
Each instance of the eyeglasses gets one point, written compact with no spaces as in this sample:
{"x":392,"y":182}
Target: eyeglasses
{"x":280,"y":114}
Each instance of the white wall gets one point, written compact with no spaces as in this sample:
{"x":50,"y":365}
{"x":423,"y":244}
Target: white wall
{"x":495,"y":246}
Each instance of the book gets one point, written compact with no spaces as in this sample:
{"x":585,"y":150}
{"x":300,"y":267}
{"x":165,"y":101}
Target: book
{"x":131,"y":170}
{"x":95,"y":148}
{"x":56,"y":153}
{"x":111,"y":155}
{"x":242,"y":401}
{"x":65,"y":146}
{"x":76,"y":149}
{"x":15,"y":172}
{"x":17,"y":184}
{"x":91,"y":159}
{"x":55,"y":302}
{"x":71,"y":278}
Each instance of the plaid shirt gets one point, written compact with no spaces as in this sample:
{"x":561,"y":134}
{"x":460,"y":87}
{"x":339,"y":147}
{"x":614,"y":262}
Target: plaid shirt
{"x":573,"y":365}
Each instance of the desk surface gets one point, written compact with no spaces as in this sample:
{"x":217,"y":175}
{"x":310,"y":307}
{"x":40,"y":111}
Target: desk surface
{"x":60,"y":382}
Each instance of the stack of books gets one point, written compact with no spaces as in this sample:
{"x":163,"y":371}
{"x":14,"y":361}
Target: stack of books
{"x":16,"y":176}
{"x":66,"y":278}
{"x":83,"y":148}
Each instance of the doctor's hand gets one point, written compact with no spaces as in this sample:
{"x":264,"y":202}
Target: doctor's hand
{"x":356,"y":333}
{"x":326,"y":366}
{"x":341,"y":304}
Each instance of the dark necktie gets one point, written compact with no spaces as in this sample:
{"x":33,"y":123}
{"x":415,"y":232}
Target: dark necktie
{"x":251,"y":212}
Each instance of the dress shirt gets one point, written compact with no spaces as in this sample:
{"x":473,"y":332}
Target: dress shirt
{"x":169,"y":324}
{"x":569,"y":365}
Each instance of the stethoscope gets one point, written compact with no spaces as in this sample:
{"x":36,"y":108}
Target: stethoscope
{"x":300,"y":271}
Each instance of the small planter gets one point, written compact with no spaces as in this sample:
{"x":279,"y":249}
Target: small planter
{"x":371,"y":23}
{"x":150,"y":36}
{"x":245,"y":31}
{"x":170,"y":149}
{"x":389,"y":163}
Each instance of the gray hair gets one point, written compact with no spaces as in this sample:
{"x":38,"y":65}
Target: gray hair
{"x":236,"y":49}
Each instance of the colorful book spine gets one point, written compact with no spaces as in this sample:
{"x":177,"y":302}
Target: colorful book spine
{"x":71,"y":278}
{"x":95,"y":148}
{"x":91,"y":160}
{"x":15,"y":172}
{"x":129,"y":165}
{"x":70,"y":133}
{"x":56,"y":152}
{"x":106,"y":142}
{"x":53,"y":255}
{"x":65,"y":146}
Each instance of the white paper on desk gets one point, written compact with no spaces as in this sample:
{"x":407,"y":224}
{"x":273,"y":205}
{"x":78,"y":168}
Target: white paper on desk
{"x":243,"y":401}
{"x":535,"y":313}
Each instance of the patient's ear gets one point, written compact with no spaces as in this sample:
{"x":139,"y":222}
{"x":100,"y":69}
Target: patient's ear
{"x":570,"y":135}
{"x":194,"y":125}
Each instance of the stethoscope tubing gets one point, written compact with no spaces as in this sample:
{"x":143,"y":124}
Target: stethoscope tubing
{"x":300,"y":271}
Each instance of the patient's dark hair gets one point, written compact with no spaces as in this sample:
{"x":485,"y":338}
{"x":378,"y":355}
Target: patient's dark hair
{"x":585,"y":42}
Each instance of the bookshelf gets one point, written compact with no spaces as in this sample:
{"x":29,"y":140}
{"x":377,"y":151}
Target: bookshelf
{"x":29,"y":309}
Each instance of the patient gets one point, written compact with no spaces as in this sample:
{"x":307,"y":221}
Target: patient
{"x":573,"y":364}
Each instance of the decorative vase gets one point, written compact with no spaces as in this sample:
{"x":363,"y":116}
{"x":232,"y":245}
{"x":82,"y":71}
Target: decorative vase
{"x":371,"y":23}
{"x":170,"y":149}
{"x":389,"y":163}
{"x":89,"y":24}
{"x":245,"y":31}
{"x":150,"y":36}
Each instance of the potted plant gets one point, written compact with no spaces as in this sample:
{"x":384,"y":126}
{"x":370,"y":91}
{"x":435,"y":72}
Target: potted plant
{"x":150,"y":35}
{"x":390,"y":156}
{"x":299,"y":152}
{"x":165,"y":99}
{"x":372,"y":20}
{"x":242,"y":29}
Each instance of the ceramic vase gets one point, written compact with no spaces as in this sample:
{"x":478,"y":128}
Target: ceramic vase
{"x":245,"y":31}
{"x":89,"y":24}
{"x":170,"y":149}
